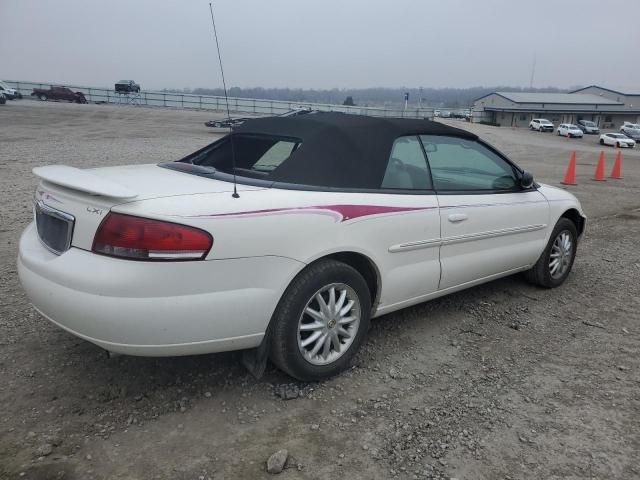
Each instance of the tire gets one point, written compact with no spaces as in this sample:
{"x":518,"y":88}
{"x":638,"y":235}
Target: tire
{"x":617,"y":144}
{"x":286,"y":337}
{"x":541,"y":273}
{"x":42,"y":97}
{"x":601,"y":142}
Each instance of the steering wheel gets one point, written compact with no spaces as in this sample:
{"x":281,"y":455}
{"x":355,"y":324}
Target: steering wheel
{"x":504,"y":183}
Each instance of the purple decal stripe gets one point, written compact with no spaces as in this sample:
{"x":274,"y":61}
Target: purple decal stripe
{"x":342,"y":213}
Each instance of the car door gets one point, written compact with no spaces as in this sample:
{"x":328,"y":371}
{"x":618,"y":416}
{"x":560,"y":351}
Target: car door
{"x":407,"y":240}
{"x":489,"y":224}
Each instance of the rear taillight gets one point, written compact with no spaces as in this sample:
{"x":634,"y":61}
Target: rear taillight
{"x":139,"y":238}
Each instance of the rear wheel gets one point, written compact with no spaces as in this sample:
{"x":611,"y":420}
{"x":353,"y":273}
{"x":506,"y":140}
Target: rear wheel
{"x":555,"y":263}
{"x":617,"y":144}
{"x":320,"y":321}
{"x":601,"y":142}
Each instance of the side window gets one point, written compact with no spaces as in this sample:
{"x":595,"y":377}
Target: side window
{"x":407,"y":167}
{"x":459,"y":164}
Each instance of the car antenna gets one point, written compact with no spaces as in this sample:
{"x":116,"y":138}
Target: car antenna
{"x":226,"y":100}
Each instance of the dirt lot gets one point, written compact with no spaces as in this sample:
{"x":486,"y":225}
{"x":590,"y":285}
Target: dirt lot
{"x":503,"y":381}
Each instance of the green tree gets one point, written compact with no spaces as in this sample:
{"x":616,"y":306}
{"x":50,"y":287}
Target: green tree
{"x":349,"y":101}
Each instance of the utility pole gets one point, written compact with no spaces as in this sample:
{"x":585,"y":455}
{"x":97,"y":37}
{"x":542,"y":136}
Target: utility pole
{"x":533,"y":71}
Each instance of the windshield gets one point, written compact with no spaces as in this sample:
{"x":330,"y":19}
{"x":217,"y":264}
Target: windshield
{"x":586,"y":123}
{"x":633,"y":126}
{"x":572,"y":127}
{"x":4,"y":85}
{"x":617,"y":135}
{"x":545,"y":122}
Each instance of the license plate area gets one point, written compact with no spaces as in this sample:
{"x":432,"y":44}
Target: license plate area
{"x":55,"y":228}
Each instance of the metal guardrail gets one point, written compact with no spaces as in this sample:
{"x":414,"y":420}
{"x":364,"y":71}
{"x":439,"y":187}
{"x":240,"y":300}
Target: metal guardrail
{"x":217,"y":103}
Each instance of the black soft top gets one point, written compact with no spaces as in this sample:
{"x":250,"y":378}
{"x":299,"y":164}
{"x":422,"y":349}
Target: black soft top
{"x":341,"y":150}
{"x":336,"y":150}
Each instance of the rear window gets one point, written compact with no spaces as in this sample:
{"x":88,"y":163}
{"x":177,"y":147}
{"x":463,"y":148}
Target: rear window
{"x":256,"y":156}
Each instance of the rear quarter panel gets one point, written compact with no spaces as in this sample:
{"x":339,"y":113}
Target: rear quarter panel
{"x":306,"y":225}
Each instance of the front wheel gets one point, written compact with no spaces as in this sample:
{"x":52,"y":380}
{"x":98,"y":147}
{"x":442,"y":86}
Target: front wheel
{"x":42,"y":97}
{"x":601,"y":142}
{"x":321,"y":321}
{"x":555,"y":263}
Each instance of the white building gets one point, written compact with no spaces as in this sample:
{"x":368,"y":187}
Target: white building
{"x":605,"y":107}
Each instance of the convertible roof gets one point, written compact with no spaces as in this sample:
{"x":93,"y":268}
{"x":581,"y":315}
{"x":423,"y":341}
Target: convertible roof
{"x":341,"y":150}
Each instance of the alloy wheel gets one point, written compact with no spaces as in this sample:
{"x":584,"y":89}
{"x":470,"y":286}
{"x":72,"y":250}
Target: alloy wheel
{"x":329,"y":324}
{"x":561,"y":255}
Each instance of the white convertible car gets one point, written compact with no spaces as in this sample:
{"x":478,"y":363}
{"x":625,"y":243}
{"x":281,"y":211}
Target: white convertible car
{"x":337,"y":219}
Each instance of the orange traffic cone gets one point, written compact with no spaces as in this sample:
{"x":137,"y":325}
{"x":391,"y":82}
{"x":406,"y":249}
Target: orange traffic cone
{"x":599,"y":173}
{"x":570,"y":174}
{"x":616,"y":171}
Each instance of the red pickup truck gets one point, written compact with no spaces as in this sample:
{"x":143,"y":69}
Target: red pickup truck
{"x":59,"y":93}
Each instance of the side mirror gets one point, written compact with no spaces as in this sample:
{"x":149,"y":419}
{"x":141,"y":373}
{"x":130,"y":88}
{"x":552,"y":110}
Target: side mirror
{"x":526,"y":180}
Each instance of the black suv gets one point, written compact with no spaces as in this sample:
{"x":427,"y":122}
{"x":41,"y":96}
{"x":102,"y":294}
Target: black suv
{"x":127,"y":86}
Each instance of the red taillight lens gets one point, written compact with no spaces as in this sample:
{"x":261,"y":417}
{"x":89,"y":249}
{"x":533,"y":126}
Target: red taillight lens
{"x":139,"y":238}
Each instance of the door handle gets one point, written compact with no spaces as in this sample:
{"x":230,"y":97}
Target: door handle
{"x":457,"y":217}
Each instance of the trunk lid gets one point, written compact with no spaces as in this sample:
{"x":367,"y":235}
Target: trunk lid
{"x":87,"y":195}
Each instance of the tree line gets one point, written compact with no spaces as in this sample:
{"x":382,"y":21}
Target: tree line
{"x":434,"y":97}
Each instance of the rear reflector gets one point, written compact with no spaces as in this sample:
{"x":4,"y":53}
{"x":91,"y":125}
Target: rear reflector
{"x":139,"y":238}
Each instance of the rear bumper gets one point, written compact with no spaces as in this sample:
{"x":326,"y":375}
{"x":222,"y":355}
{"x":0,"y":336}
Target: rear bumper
{"x":154,"y":308}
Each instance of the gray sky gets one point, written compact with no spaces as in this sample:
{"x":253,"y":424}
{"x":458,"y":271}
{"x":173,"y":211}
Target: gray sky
{"x":323,"y":43}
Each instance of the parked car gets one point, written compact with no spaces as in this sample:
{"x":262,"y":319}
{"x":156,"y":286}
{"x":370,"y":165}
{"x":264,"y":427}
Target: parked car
{"x":59,"y":93}
{"x":8,"y":92}
{"x":127,"y":86}
{"x":587,"y":126}
{"x":617,"y":140}
{"x":236,"y":122}
{"x":541,"y":125}
{"x":3,"y":99}
{"x":327,"y":230}
{"x":227,"y":122}
{"x":631,"y":130}
{"x":569,"y":130}
{"x":297,"y":112}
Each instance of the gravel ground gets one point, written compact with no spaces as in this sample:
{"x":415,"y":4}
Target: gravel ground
{"x":503,"y":381}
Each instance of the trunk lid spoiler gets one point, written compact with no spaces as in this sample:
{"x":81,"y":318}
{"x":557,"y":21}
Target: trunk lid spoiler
{"x":83,"y":181}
